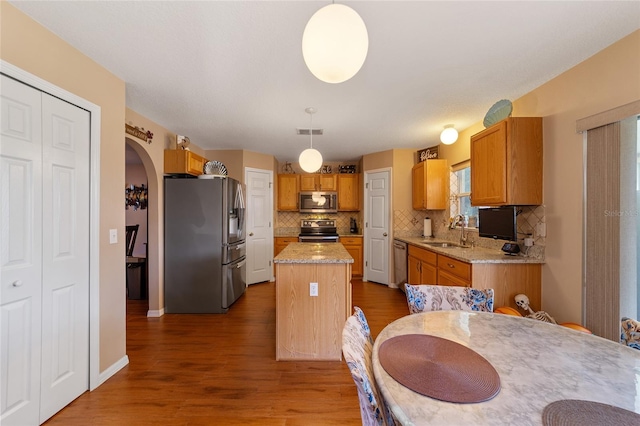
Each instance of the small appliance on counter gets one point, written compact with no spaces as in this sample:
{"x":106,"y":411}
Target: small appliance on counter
{"x":354,"y":226}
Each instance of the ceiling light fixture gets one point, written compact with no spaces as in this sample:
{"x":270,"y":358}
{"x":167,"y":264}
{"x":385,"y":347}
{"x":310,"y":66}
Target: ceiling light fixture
{"x":310,"y":159}
{"x":335,"y":43}
{"x":449,"y":135}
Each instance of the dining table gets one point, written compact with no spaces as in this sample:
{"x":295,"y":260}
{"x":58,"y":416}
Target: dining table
{"x":537,"y":366}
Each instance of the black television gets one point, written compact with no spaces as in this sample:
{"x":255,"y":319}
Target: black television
{"x":498,"y":223}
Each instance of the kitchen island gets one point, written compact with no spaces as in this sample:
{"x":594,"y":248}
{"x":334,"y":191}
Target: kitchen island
{"x":313,"y":301}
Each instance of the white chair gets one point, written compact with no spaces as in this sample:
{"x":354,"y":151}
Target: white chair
{"x":423,"y":297}
{"x":357,"y":347}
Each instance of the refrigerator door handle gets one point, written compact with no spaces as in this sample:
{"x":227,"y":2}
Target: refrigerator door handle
{"x":240,"y":264}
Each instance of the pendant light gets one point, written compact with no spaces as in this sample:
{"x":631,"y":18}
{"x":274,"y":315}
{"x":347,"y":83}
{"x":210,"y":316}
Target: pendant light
{"x":335,"y":43}
{"x":310,"y":159}
{"x":449,"y":135}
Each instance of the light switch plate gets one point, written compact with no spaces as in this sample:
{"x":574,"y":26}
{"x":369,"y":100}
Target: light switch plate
{"x":113,"y":236}
{"x":313,"y":289}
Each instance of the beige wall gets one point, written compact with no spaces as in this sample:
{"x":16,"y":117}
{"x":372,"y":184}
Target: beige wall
{"x":606,"y":80}
{"x":31,"y":47}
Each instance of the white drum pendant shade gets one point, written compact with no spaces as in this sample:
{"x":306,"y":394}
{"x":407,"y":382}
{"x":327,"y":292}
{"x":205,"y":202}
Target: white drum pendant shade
{"x":335,"y":43}
{"x":310,"y":160}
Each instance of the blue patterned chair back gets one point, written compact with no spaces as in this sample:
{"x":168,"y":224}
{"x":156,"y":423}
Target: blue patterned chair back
{"x":630,"y":334}
{"x":357,"y":346}
{"x":423,"y":297}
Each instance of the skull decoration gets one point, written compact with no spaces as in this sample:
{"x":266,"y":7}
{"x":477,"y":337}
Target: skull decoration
{"x":523,"y":302}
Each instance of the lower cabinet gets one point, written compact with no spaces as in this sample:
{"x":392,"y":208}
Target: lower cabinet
{"x":354,"y":247}
{"x":506,"y":279}
{"x":279,"y":244}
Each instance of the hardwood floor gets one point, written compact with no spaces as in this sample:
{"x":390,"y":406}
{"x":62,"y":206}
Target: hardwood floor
{"x":220,"y":369}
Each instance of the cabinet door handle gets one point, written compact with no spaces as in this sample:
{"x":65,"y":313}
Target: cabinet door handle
{"x":450,"y":265}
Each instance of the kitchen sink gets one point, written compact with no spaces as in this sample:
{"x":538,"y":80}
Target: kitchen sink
{"x":444,"y":245}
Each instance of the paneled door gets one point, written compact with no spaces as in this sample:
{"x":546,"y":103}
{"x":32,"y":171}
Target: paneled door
{"x":376,"y":232}
{"x":45,"y":253}
{"x":259,"y":225}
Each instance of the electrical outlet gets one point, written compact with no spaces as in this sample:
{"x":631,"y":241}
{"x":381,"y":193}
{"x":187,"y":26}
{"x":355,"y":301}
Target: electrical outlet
{"x":313,"y":289}
{"x":541,"y":229}
{"x":113,"y":236}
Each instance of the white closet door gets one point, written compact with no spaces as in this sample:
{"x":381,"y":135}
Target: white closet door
{"x":259,"y":230}
{"x":44,"y":225}
{"x":21,"y":252}
{"x":65,"y":256}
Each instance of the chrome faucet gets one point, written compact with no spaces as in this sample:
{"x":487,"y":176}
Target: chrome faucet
{"x":460,"y":219}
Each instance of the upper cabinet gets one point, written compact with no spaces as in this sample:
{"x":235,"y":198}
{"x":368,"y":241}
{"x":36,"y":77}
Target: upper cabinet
{"x":180,"y":161}
{"x":430,"y":185}
{"x":348,"y":192}
{"x":288,"y":192}
{"x":506,"y":163}
{"x":318,"y":182}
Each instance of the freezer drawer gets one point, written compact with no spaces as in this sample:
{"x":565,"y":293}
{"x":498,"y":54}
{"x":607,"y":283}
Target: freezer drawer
{"x":233,"y":252}
{"x":234,"y":281}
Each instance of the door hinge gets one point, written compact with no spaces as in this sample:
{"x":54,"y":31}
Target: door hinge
{"x":366,"y":263}
{"x":366,"y":185}
{"x":269,"y":263}
{"x":270,"y":184}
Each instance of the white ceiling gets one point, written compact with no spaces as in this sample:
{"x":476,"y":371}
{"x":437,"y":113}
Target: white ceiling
{"x":230,"y":75}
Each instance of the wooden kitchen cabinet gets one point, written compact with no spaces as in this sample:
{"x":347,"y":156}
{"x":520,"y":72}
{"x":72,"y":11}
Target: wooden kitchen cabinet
{"x":318,"y":182}
{"x":422,"y":266}
{"x":180,"y":161}
{"x":288,"y":192}
{"x":354,"y":247}
{"x":280,"y":243}
{"x":506,"y":163}
{"x":506,"y":279}
{"x":430,"y":189}
{"x":348,"y":192}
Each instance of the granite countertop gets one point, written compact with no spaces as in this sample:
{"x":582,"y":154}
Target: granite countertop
{"x":469,"y":255}
{"x":314,"y":253}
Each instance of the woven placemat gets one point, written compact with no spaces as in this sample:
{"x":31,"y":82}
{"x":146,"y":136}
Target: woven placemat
{"x":575,"y":412}
{"x":439,"y":368}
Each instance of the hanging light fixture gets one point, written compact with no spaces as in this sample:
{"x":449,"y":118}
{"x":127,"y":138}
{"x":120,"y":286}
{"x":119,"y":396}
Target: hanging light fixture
{"x":449,"y":135}
{"x":335,"y":43}
{"x":310,"y":159}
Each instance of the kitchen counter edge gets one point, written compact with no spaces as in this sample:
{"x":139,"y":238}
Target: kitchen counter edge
{"x":314,"y":253}
{"x":469,"y":255}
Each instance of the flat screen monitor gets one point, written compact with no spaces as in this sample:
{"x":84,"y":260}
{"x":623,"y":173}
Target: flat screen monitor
{"x":498,"y":223}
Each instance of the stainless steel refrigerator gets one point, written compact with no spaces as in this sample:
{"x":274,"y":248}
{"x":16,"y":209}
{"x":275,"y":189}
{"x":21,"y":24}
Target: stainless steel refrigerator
{"x":204,"y":245}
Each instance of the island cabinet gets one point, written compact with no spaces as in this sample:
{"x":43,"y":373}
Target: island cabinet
{"x":288,"y":185}
{"x":348,"y":192}
{"x":506,"y":163}
{"x":180,"y":161}
{"x":318,"y":182}
{"x":313,"y":301}
{"x":506,"y":279}
{"x":430,"y":185}
{"x":354,"y":247}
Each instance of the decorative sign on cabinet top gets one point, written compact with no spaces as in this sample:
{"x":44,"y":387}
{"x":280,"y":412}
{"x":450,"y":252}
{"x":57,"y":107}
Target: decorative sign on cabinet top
{"x":139,"y":133}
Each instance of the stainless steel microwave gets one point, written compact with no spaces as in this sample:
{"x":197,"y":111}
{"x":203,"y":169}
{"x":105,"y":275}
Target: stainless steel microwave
{"x":318,"y":202}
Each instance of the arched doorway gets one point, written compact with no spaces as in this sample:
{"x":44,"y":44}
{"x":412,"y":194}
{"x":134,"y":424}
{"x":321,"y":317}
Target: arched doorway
{"x":141,"y":160}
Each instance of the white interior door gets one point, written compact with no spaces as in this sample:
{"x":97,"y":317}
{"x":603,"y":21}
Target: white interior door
{"x":376,"y":232}
{"x":65,"y":260}
{"x":259,"y":225}
{"x":21,"y":252}
{"x":45,"y":155}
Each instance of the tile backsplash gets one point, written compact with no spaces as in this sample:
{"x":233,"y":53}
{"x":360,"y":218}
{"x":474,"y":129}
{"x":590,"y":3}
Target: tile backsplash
{"x":290,"y":221}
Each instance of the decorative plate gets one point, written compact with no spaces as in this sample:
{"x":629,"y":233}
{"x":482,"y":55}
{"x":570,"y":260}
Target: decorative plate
{"x":215,"y":168}
{"x":498,"y":112}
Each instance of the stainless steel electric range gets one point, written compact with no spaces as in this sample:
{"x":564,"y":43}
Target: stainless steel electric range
{"x":318,"y":231}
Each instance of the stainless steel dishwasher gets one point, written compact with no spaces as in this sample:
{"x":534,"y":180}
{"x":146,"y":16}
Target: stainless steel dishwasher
{"x":400,"y":253}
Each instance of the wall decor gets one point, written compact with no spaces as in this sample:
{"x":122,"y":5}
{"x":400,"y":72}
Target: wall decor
{"x":135,"y":196}
{"x":428,"y":154}
{"x":349,"y":168}
{"x":139,"y":133}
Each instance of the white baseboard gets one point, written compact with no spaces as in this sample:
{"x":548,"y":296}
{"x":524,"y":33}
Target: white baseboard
{"x":113,"y":369}
{"x":154,"y":313}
